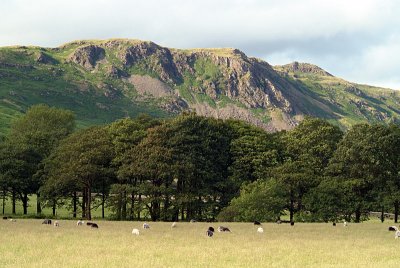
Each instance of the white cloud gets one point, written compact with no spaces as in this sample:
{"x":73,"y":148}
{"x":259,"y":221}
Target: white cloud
{"x":319,"y":31}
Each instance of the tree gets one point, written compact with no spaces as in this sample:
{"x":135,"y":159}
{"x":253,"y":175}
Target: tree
{"x":40,"y":130}
{"x":261,"y":200}
{"x":82,"y":161}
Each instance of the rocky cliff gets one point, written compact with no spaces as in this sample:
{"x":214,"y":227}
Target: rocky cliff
{"x":124,"y":77}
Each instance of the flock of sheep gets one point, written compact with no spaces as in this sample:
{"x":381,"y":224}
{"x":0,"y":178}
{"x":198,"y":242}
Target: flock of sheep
{"x":210,"y":231}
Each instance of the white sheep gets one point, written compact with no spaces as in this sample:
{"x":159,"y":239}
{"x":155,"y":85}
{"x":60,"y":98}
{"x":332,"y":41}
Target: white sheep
{"x":173,"y":225}
{"x":13,"y":220}
{"x":397,"y":234}
{"x":345,"y":224}
{"x":56,"y":224}
{"x":79,"y":223}
{"x":146,"y":226}
{"x":135,"y":231}
{"x":260,"y":230}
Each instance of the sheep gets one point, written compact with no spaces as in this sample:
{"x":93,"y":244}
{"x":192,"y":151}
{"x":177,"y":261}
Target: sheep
{"x":210,"y":233}
{"x":393,"y":228}
{"x":192,"y":221}
{"x":89,"y":223}
{"x":46,"y":221}
{"x":79,"y":223}
{"x":56,"y":224}
{"x":260,"y":230}
{"x":334,"y":224}
{"x":94,"y":225}
{"x":135,"y":231}
{"x":211,"y":229}
{"x":257,"y":223}
{"x":5,"y":218}
{"x":146,"y":226}
{"x":292,"y":223}
{"x":345,"y":224}
{"x":13,"y":220}
{"x":173,"y":225}
{"x":397,"y":234}
{"x":223,"y":229}
{"x":278,"y":221}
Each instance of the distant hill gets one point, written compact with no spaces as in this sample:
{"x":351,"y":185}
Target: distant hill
{"x":103,"y":80}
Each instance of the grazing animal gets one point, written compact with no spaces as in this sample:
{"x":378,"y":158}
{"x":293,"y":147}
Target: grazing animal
{"x":211,"y":229}
{"x":292,"y":223}
{"x":397,"y":234}
{"x":393,"y":228}
{"x":209,"y":233}
{"x":334,"y":224}
{"x":192,"y":221}
{"x":94,"y":225}
{"x":56,"y":224}
{"x":5,"y":218}
{"x":257,"y":223}
{"x":278,"y":221}
{"x":46,"y":221}
{"x":223,"y":229}
{"x":79,"y":223}
{"x":135,"y":231}
{"x":146,"y":225}
{"x":13,"y":220}
{"x":173,"y":225}
{"x":260,"y":230}
{"x":89,"y":223}
{"x":345,"y":224}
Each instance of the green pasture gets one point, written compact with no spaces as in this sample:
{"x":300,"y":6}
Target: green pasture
{"x":28,"y":243}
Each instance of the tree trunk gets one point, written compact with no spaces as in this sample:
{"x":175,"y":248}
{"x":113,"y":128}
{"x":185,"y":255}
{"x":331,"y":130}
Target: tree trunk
{"x":123,"y":212}
{"x":13,"y":202}
{"x":382,"y":214}
{"x":74,"y":205}
{"x":291,"y":208}
{"x":396,"y":210}
{"x":88,"y":204}
{"x":132,"y":206}
{"x":4,"y":200}
{"x":38,"y":206}
{"x":25,"y":203}
{"x":54,"y":207}
{"x":84,"y":203}
{"x":139,"y":206}
{"x":102,"y":205}
{"x":358,"y":214}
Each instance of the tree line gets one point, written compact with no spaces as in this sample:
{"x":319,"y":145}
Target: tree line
{"x":193,"y":167}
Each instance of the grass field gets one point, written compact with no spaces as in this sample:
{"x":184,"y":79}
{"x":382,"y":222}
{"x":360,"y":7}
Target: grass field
{"x":28,"y":243}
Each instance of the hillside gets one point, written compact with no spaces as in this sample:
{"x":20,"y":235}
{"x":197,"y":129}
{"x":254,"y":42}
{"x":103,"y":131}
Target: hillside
{"x":102,"y":80}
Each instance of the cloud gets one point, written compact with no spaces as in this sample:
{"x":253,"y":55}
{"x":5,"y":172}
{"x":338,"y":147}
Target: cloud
{"x":341,"y":36}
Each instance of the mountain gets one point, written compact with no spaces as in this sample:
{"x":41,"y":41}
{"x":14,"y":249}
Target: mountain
{"x":103,"y":80}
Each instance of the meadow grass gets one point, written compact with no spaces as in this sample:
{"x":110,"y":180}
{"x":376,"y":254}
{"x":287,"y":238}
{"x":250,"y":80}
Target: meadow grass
{"x":28,"y":243}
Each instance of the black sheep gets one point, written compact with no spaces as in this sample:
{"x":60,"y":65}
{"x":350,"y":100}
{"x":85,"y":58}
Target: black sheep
{"x":46,"y":221}
{"x":210,"y":233}
{"x":94,"y":225}
{"x":257,"y":223}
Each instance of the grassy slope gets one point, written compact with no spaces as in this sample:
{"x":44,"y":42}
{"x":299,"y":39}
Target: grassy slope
{"x":62,"y":85}
{"x":28,"y":243}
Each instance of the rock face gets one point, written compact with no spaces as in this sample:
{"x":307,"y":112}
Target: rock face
{"x":304,"y":68}
{"x":87,"y":56}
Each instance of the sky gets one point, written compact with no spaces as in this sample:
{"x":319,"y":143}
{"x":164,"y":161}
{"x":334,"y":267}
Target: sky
{"x":356,"y":40}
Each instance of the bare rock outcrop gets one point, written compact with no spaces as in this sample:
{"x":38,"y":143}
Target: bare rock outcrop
{"x":87,"y":56}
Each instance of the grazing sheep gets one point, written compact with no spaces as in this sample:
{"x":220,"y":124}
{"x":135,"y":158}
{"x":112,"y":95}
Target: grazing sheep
{"x":56,"y":224}
{"x":260,"y":230}
{"x":393,"y":228}
{"x":292,"y":223}
{"x":173,"y":225}
{"x":192,"y":221}
{"x":209,"y":233}
{"x":46,"y":221}
{"x":135,"y":231}
{"x":13,"y":220}
{"x":80,"y":223}
{"x":5,"y":218}
{"x":211,"y":229}
{"x":89,"y":223}
{"x":278,"y":221}
{"x":146,"y":226}
{"x":397,"y":234}
{"x":223,"y":229}
{"x":334,"y":224}
{"x":257,"y":223}
{"x":345,"y":224}
{"x":94,"y":225}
